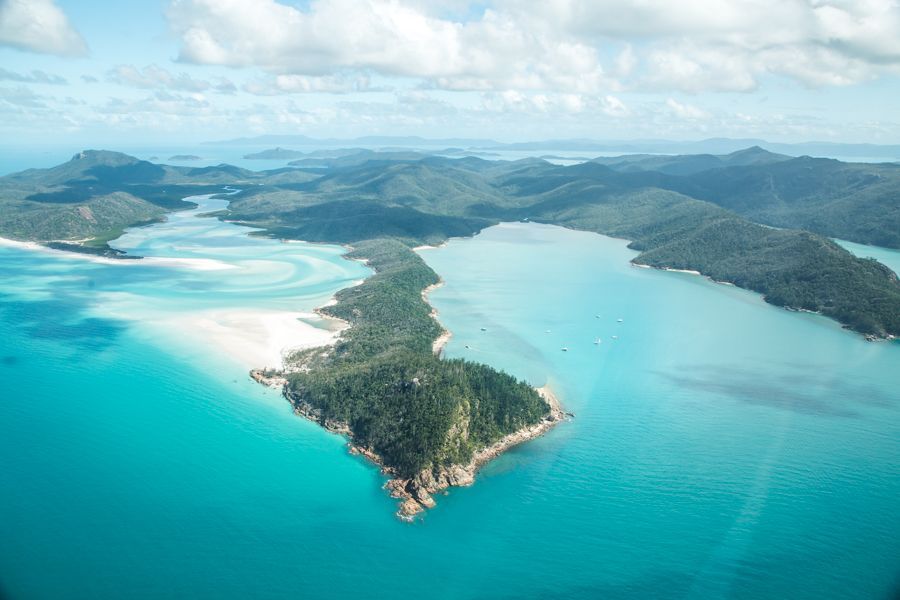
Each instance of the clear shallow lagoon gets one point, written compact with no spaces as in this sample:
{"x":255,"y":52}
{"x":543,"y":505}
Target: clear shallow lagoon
{"x":722,"y":447}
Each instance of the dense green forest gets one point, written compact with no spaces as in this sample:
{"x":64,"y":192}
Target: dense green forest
{"x":99,"y":193}
{"x":713,"y":214}
{"x":412,"y":408}
{"x":427,"y":200}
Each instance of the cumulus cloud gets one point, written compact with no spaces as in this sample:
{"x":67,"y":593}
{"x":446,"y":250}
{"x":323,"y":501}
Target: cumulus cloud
{"x":728,"y":45}
{"x":302,"y":84}
{"x":382,"y":36}
{"x":685,"y":111}
{"x":21,"y":96}
{"x":572,"y":46}
{"x":35,"y":76}
{"x":154,"y":77}
{"x":39,"y":26}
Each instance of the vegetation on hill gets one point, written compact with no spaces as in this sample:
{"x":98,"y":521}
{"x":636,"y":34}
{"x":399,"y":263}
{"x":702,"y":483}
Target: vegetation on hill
{"x":427,"y":200}
{"x":415,"y":410}
{"x":420,"y":413}
{"x":97,"y":194}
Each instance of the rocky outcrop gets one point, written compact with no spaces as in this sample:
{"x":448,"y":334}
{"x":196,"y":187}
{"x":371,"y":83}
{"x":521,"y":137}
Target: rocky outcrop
{"x":416,"y":493}
{"x":268,"y":377}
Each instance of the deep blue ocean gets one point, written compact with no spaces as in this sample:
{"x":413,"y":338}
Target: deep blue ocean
{"x":721,"y":448}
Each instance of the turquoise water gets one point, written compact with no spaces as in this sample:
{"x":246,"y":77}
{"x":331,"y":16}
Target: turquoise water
{"x":722,"y":447}
{"x":886,"y":256}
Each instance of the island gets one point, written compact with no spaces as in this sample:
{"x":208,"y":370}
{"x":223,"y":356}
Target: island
{"x":185,"y":157}
{"x":754,"y":219}
{"x":275,"y":154}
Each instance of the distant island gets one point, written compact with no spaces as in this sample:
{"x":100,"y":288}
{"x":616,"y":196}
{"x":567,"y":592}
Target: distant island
{"x":275,"y":154}
{"x":752,"y":218}
{"x":183,"y":157}
{"x":717,"y":146}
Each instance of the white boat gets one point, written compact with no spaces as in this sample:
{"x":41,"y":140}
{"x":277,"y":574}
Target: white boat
{"x":615,"y":337}
{"x":598,"y":341}
{"x":620,"y":320}
{"x":484,"y":328}
{"x":564,"y":349}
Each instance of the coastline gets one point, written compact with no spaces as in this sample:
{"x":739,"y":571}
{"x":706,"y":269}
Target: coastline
{"x":416,"y":493}
{"x":254,"y":337}
{"x":437,"y":347}
{"x":200,"y":264}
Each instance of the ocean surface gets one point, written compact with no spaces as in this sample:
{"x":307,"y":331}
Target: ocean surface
{"x":722,"y":448}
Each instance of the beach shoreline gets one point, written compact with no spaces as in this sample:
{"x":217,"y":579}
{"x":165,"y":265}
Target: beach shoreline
{"x":437,"y":346}
{"x":416,"y":493}
{"x":200,"y":264}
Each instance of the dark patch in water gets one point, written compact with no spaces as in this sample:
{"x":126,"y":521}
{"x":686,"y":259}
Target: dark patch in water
{"x":9,"y":360}
{"x":808,"y":389}
{"x":61,"y":319}
{"x":661,"y":586}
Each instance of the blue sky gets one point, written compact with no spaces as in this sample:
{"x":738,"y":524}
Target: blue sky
{"x":193,"y":70}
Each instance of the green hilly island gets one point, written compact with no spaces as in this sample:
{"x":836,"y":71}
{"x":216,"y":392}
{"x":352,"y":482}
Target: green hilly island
{"x":754,"y":219}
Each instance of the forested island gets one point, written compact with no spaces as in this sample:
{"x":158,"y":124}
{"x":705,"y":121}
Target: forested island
{"x":758,"y":220}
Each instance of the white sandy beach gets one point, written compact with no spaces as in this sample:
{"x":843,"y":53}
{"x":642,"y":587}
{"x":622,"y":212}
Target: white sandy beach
{"x":199,"y":264}
{"x":256,"y":338}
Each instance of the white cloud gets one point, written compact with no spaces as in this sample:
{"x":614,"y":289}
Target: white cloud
{"x":382,"y":36}
{"x":562,"y":46}
{"x":728,"y":45}
{"x":35,"y":76}
{"x":156,"y":78}
{"x":513,"y":101}
{"x":614,"y":107}
{"x":302,"y":84}
{"x":39,"y":26}
{"x":21,"y":96}
{"x":686,"y":112}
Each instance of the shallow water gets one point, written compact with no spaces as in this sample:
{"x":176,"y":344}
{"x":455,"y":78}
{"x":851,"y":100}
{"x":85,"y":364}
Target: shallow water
{"x":722,"y":447}
{"x":886,"y":256}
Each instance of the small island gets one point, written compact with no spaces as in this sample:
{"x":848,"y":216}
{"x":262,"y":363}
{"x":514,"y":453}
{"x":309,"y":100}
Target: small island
{"x":275,"y":154}
{"x":428,"y":422}
{"x":185,"y":157}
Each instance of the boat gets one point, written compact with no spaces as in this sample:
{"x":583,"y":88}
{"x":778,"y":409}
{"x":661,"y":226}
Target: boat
{"x":564,"y":349}
{"x":620,"y":320}
{"x":615,"y":337}
{"x":484,"y":328}
{"x":598,"y":341}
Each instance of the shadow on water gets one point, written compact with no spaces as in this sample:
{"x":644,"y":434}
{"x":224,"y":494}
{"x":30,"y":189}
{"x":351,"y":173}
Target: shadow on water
{"x":61,"y":320}
{"x":802,"y":389}
{"x":658,"y":585}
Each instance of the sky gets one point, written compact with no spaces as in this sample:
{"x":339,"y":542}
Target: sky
{"x":97,"y":72}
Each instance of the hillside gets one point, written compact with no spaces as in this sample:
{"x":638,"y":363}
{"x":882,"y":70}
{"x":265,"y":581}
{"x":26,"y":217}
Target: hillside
{"x":689,"y":164}
{"x":98,"y":193}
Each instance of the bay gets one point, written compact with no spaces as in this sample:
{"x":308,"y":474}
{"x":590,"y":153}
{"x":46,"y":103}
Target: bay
{"x":721,"y":447}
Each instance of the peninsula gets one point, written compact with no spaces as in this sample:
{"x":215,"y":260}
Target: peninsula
{"x":758,"y":220}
